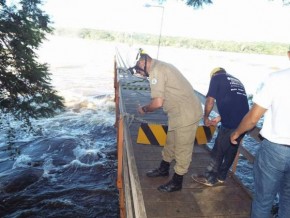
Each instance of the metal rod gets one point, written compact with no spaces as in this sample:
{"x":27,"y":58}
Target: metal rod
{"x":159,"y":41}
{"x":161,"y":24}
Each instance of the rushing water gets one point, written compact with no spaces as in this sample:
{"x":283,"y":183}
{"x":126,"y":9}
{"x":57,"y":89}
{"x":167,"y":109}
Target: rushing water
{"x":68,"y":169}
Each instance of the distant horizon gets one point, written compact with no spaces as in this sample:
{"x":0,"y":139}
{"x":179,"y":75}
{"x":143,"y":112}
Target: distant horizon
{"x":181,"y":36}
{"x":235,"y":20}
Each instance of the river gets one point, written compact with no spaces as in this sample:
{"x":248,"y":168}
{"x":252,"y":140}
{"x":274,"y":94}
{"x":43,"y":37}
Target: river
{"x":69,"y":168}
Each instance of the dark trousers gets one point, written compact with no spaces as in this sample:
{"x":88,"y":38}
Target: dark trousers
{"x":223,"y":155}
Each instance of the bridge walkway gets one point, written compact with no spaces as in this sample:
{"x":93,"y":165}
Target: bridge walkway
{"x":141,"y":197}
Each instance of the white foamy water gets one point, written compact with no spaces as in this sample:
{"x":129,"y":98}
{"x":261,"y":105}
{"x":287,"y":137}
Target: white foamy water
{"x":69,"y":166}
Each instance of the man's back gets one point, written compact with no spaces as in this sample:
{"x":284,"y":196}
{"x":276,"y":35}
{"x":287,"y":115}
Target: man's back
{"x":231,"y":98}
{"x":180,"y":101}
{"x":274,"y":95}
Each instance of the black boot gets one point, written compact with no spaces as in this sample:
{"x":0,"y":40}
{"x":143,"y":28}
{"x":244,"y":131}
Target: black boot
{"x":175,"y":184}
{"x":163,"y":170}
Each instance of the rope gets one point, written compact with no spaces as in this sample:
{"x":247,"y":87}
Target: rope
{"x":132,"y":117}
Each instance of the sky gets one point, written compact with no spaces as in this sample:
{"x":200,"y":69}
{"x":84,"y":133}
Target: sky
{"x":238,"y":20}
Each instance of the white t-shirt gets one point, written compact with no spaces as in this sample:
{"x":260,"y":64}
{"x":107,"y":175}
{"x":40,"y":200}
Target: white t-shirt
{"x":274,"y":95}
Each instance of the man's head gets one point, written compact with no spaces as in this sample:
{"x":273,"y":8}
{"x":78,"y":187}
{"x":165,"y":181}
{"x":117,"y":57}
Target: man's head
{"x":138,"y":61}
{"x":143,"y":64}
{"x":216,"y":71}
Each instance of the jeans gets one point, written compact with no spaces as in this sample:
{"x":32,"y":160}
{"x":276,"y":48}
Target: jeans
{"x":271,"y":176}
{"x":222,"y":156}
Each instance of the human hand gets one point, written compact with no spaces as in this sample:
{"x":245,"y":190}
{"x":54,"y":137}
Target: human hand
{"x":206,"y":121}
{"x":215,"y":121}
{"x":140,"y":110}
{"x":234,"y":137}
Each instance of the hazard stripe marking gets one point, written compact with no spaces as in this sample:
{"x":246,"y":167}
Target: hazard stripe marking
{"x":149,"y":134}
{"x":165,"y":128}
{"x":209,"y":131}
{"x":142,"y":138}
{"x":159,"y":133}
{"x":204,"y":134}
{"x":155,"y":134}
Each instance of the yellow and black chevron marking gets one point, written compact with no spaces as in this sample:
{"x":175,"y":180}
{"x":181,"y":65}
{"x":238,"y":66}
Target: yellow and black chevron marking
{"x":155,"y":134}
{"x":204,"y":134}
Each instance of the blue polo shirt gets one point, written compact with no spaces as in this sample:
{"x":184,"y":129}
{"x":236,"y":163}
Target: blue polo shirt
{"x":231,"y":99}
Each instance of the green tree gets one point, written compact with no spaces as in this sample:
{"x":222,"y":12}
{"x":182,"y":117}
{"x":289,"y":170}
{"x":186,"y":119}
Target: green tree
{"x":25,"y":88}
{"x":197,"y":3}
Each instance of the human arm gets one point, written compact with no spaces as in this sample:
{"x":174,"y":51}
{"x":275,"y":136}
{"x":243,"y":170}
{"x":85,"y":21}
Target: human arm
{"x":152,"y":106}
{"x":209,"y":103}
{"x":248,"y":122}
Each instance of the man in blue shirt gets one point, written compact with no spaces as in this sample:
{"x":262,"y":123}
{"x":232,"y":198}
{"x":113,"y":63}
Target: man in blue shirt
{"x":231,"y":99}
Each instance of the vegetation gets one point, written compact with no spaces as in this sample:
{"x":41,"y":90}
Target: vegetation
{"x":25,"y":89}
{"x":269,"y":48}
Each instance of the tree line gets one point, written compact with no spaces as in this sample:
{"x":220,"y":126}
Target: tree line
{"x":267,"y":48}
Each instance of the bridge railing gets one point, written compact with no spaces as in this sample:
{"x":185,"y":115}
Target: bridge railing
{"x":128,"y":183}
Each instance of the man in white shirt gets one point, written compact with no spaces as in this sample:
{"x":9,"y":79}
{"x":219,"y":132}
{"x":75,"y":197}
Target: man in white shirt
{"x":272,"y":163}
